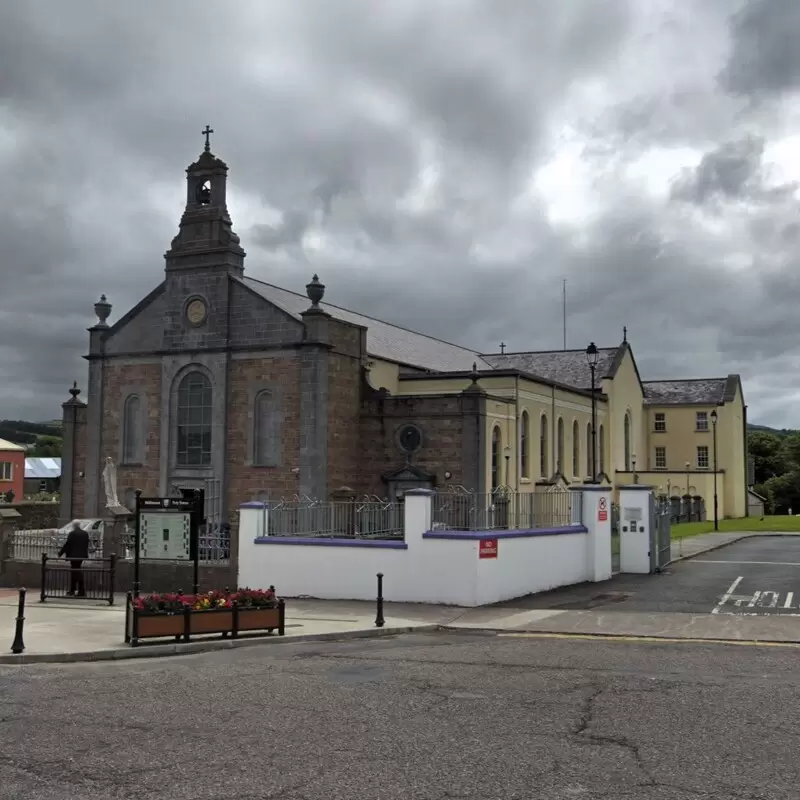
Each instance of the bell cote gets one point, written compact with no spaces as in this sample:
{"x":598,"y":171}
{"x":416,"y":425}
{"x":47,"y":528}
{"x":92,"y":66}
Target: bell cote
{"x":206,"y":239}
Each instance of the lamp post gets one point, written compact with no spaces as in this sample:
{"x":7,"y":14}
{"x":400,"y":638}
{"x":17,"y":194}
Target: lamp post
{"x":714,"y":442}
{"x":633,"y":464}
{"x":591,"y":358}
{"x":688,"y":495}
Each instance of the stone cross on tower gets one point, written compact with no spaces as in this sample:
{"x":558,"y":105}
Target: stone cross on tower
{"x":207,"y":133}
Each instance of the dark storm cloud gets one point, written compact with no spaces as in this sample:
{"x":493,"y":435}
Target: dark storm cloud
{"x":764,"y":59}
{"x":393,"y":152}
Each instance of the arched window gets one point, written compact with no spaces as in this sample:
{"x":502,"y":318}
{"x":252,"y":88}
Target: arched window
{"x":194,"y":421}
{"x":132,"y":439}
{"x":576,"y":449}
{"x":496,"y":453}
{"x":524,"y":436}
{"x":589,"y":451}
{"x":560,"y":446}
{"x":266,"y":430}
{"x":627,"y":435}
{"x":601,"y":450}
{"x":543,"y":454}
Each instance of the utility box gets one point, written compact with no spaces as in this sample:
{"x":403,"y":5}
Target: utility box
{"x":635,"y":529}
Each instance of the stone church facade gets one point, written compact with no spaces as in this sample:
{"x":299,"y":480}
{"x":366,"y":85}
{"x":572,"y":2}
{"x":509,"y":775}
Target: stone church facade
{"x":219,"y":381}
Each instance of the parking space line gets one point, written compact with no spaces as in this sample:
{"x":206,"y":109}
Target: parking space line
{"x":727,"y":596}
{"x":773,"y":563}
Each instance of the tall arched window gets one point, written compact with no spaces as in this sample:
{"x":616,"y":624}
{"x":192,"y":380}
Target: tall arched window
{"x":589,"y":451}
{"x":496,"y":454}
{"x":560,"y":446}
{"x":194,"y":421}
{"x":627,"y":435}
{"x":543,"y":454}
{"x":132,"y":439}
{"x":266,"y":430}
{"x":576,"y":449}
{"x":524,"y":437}
{"x":601,"y":450}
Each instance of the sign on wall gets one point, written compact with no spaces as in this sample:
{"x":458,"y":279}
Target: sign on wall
{"x":602,"y":510}
{"x":166,"y":535}
{"x":487,"y":548}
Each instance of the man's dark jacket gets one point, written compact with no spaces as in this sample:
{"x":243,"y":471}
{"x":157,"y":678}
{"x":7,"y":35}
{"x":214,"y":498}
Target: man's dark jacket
{"x":76,"y":548}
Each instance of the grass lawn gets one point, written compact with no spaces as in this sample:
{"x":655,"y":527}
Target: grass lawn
{"x":781,"y":524}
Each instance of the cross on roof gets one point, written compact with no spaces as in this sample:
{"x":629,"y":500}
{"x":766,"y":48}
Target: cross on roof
{"x":502,"y":348}
{"x":207,"y":133}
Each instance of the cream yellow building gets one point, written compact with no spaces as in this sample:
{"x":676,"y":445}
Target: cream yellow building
{"x":537,"y":423}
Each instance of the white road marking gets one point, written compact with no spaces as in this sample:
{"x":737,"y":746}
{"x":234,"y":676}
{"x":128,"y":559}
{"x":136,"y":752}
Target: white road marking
{"x":769,"y":600}
{"x":753,"y":600}
{"x":727,"y":596}
{"x":788,"y":602}
{"x":774,"y":563}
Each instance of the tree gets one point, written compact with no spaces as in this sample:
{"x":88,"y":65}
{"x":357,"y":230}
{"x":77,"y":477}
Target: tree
{"x":46,"y":447}
{"x":770,"y":455}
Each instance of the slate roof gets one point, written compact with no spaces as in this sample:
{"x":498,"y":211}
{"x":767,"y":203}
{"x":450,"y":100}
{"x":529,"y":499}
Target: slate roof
{"x":694,"y":391}
{"x":385,"y":341}
{"x":567,"y":367}
{"x":6,"y":445}
{"x":43,"y":468}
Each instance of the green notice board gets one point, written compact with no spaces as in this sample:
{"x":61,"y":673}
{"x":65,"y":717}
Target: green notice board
{"x":166,"y":534}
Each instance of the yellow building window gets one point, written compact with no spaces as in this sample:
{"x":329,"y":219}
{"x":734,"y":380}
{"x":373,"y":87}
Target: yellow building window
{"x":702,"y":457}
{"x":661,"y":457}
{"x":702,"y":420}
{"x":660,"y":422}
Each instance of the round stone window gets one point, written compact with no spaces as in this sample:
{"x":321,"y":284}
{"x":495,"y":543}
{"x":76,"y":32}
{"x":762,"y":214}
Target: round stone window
{"x":409,"y":439}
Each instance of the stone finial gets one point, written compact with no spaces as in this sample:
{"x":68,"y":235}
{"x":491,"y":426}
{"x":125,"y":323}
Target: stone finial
{"x":315,"y":291}
{"x":74,"y":400}
{"x":103,"y":309}
{"x":74,"y":390}
{"x":624,"y":333}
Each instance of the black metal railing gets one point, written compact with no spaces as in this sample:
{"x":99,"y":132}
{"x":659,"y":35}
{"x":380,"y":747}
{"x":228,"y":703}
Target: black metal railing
{"x":90,"y":579}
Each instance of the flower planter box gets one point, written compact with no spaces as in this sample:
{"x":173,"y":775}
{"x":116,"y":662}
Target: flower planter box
{"x":181,"y":626}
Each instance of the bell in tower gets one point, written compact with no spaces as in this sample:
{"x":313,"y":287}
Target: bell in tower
{"x":206,"y":238}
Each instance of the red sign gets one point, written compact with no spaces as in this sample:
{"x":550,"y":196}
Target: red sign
{"x":602,"y":510}
{"x":487,"y":548}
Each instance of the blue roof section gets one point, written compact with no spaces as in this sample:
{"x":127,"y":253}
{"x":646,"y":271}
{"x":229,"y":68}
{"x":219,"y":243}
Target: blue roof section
{"x":42,"y":468}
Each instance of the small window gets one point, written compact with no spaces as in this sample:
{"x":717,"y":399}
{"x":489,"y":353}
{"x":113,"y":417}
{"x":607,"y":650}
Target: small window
{"x":560,"y":442}
{"x":661,"y":457}
{"x":543,"y":459}
{"x":702,"y":457}
{"x":660,"y":423}
{"x":576,"y":449}
{"x":496,"y":452}
{"x":702,"y":421}
{"x":524,"y":436}
{"x":6,"y":470}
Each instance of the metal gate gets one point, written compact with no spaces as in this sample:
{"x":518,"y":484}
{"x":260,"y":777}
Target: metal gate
{"x":615,"y":537}
{"x":660,"y":534}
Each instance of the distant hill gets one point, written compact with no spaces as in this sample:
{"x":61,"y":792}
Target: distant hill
{"x":40,"y":438}
{"x":767,"y":429}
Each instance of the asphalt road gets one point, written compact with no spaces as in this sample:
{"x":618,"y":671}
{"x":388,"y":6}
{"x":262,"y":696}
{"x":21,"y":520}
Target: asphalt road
{"x":753,"y":576}
{"x":425,"y":716}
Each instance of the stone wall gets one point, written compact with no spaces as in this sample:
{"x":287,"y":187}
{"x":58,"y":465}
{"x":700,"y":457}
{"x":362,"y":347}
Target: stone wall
{"x":279,"y":374}
{"x":344,"y":404}
{"x":441,"y":420}
{"x":120,"y":381}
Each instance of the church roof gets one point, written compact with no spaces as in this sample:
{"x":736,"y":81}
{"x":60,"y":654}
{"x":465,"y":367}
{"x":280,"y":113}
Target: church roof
{"x":384,"y":340}
{"x":568,"y":367}
{"x":700,"y":391}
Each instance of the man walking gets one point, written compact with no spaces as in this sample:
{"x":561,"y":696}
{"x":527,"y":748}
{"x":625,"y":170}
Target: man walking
{"x":76,"y":549}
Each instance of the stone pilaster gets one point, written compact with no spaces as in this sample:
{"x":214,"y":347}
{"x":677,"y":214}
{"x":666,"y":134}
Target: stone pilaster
{"x":473,"y":446}
{"x":92,"y":505}
{"x":72,"y":418}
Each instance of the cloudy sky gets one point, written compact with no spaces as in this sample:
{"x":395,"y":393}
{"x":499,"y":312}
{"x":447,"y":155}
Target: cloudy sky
{"x":444,"y":164}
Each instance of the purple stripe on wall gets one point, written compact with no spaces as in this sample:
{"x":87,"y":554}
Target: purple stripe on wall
{"x":386,"y":544}
{"x":522,"y":534}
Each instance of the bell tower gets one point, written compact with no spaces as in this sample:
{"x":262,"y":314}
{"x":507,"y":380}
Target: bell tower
{"x":206,"y":239}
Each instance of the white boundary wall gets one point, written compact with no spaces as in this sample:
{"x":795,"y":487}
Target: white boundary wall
{"x":430,"y":566}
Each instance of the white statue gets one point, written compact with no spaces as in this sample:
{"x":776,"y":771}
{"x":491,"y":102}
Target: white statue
{"x":110,"y":484}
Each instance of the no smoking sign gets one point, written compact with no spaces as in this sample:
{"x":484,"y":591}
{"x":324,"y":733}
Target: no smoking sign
{"x":602,"y":510}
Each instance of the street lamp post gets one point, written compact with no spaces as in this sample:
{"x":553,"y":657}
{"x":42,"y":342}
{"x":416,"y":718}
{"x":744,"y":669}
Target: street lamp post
{"x":633,"y":463}
{"x":591,"y":358}
{"x":714,"y":442}
{"x":688,"y":495}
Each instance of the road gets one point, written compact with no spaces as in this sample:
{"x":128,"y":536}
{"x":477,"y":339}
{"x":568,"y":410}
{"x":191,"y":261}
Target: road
{"x":425,"y":716}
{"x":753,"y":576}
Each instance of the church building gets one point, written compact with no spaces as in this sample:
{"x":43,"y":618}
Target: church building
{"x":219,"y":381}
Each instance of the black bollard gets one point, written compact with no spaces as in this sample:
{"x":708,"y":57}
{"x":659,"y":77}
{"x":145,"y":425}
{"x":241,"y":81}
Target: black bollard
{"x":19,"y":645}
{"x":379,"y":616}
